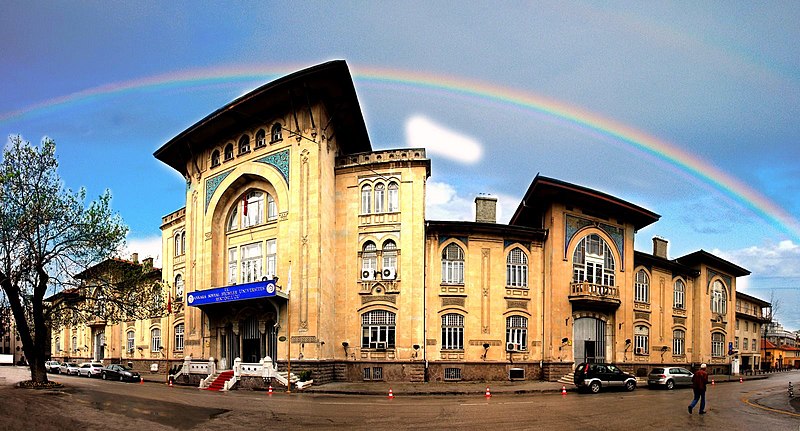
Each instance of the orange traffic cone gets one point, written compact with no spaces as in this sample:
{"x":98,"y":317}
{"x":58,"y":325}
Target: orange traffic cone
{"x":270,"y":390}
{"x":391,"y":395}
{"x":141,"y":380}
{"x":488,"y":394}
{"x":740,"y":380}
{"x":170,"y":382}
{"x":712,"y":382}
{"x":563,"y":390}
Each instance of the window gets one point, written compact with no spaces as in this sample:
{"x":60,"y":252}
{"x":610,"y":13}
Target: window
{"x":678,"y":342}
{"x":389,"y":254}
{"x":641,"y":340}
{"x":366,"y":199}
{"x":158,"y":299}
{"x":233,"y":222}
{"x":272,"y":257}
{"x":276,"y":133}
{"x":183,"y":242}
{"x":74,"y":343}
{"x":229,"y":152}
{"x":745,"y":343}
{"x":737,"y":324}
{"x":179,"y":287}
{"x":642,"y":287}
{"x":155,"y":340}
{"x":593,"y":262}
{"x":379,"y":195}
{"x":452,"y":332}
{"x":251,"y":263}
{"x":179,"y":337}
{"x":130,"y":343}
{"x":261,"y":138}
{"x":746,"y":326}
{"x":755,"y":347}
{"x":58,"y":345}
{"x":244,"y":144}
{"x":717,"y":344}
{"x":679,"y":295}
{"x":369,"y":258}
{"x":232,"y":265}
{"x":177,"y":244}
{"x":215,"y":159}
{"x":272,"y":209}
{"x":377,"y":330}
{"x":453,"y":264}
{"x":517,"y":332}
{"x":252,"y":209}
{"x":517,"y":268}
{"x":736,"y":343}
{"x":719,"y":303}
{"x":394,"y":199}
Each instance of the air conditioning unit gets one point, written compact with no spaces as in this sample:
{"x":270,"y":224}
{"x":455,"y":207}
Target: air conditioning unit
{"x":380,"y":346}
{"x":511,"y":347}
{"x":367,"y":274}
{"x":389,"y":274}
{"x":639,"y":351}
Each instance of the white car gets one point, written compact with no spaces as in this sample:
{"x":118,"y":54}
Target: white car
{"x":69,"y":368}
{"x":52,"y":366}
{"x":90,"y":369}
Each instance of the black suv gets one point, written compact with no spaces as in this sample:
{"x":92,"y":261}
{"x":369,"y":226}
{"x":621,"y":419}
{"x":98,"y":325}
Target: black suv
{"x":596,"y":376}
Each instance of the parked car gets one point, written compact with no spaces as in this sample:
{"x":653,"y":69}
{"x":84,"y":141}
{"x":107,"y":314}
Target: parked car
{"x":597,"y":376}
{"x":90,"y":369}
{"x":52,"y":366}
{"x":669,"y":377}
{"x":70,"y":368}
{"x":119,"y":372}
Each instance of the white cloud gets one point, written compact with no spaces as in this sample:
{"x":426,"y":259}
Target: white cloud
{"x":444,"y":203}
{"x":421,"y":132}
{"x":773,"y":260}
{"x":146,"y":247}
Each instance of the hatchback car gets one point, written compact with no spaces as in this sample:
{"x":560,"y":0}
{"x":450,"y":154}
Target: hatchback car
{"x":119,"y":372}
{"x":669,"y":377}
{"x":597,"y":376}
{"x":90,"y":369}
{"x":70,"y":368}
{"x":52,"y":366}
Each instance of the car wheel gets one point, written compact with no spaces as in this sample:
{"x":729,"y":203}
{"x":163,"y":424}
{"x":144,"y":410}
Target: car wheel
{"x":630,"y":385}
{"x":670,"y":385}
{"x":104,"y":376}
{"x":594,"y":387}
{"x":121,"y":378}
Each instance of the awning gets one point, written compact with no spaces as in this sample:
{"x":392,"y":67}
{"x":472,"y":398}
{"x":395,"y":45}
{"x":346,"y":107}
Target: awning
{"x":236,"y":292}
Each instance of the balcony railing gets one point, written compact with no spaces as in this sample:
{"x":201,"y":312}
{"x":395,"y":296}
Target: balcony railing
{"x":591,"y":294}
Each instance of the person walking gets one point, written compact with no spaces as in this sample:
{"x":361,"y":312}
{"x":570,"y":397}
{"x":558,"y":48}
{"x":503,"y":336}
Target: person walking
{"x":699,"y":382}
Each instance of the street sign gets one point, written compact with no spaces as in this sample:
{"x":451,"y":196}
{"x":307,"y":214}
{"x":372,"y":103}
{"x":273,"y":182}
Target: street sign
{"x":241,"y":292}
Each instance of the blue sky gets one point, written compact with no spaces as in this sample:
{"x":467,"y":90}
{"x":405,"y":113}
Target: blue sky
{"x":718,"y":80}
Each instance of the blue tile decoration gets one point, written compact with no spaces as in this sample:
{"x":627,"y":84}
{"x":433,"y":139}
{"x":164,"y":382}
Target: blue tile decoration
{"x":509,"y":242}
{"x":574,"y":224}
{"x":213,"y":183}
{"x":710,"y":274}
{"x":463,"y":239}
{"x":280,"y":161}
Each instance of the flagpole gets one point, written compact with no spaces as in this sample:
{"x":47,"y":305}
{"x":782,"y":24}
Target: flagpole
{"x":289,"y":334}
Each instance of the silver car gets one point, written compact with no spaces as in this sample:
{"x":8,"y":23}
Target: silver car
{"x":90,"y":369}
{"x":69,"y":368}
{"x":669,"y":377}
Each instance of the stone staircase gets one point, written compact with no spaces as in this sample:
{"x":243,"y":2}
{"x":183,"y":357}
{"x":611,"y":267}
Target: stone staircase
{"x":219,"y":380}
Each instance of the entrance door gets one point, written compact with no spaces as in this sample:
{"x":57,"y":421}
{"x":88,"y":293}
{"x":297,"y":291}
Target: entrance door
{"x":99,"y":346}
{"x":251,"y":341}
{"x":229,"y":347}
{"x":589,"y":350}
{"x":589,"y":335}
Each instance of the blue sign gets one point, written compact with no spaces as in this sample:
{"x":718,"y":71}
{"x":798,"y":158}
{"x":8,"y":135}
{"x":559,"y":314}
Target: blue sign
{"x":241,"y":292}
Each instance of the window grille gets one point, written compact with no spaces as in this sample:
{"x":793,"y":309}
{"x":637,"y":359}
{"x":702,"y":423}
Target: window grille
{"x":377,"y":373}
{"x":452,"y":374}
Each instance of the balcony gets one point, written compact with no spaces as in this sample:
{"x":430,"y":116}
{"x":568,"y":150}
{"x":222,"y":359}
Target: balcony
{"x":594,"y":296}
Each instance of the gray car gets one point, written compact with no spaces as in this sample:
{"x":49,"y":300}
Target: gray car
{"x":669,"y":377}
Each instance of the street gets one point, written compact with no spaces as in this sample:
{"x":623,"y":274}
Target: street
{"x":103,"y":405}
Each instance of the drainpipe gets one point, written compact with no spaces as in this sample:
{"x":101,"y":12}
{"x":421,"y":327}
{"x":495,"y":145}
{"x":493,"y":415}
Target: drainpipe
{"x":425,"y":303}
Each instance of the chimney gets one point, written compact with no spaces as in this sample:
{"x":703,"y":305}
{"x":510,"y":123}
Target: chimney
{"x":485,"y":209}
{"x":660,"y":247}
{"x":135,"y":257}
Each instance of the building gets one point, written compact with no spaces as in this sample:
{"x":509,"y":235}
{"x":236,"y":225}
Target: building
{"x":781,"y":347}
{"x":301,"y":246}
{"x":751,"y":316}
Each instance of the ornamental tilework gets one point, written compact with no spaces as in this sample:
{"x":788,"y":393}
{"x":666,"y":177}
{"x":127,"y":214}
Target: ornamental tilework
{"x":574,"y":224}
{"x":280,"y":161}
{"x":213,"y":183}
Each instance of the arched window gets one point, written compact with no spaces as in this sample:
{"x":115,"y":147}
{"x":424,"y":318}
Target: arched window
{"x":179,"y":287}
{"x":155,"y":340}
{"x":261,"y":138}
{"x":517,"y":268}
{"x":74,"y":343}
{"x":452,"y":264}
{"x":277,"y":133}
{"x":452,"y":332}
{"x":379,"y":195}
{"x":378,"y":330}
{"x":641,"y":287}
{"x":244,"y":144}
{"x":215,"y":159}
{"x":593,"y":262}
{"x":369,"y":260}
{"x":233,"y":221}
{"x":394,"y":198}
{"x":389,"y":255}
{"x":58,"y":345}
{"x":177,"y":244}
{"x":366,"y":199}
{"x":229,"y":152}
{"x":641,"y":340}
{"x":517,"y":333}
{"x":272,"y":209}
{"x":717,"y":344}
{"x":179,"y":337}
{"x":678,"y":342}
{"x":719,"y":301}
{"x":252,"y":209}
{"x":183,"y":242}
{"x":131,"y":339}
{"x":679,"y":295}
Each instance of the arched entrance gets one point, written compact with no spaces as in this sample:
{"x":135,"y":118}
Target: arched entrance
{"x":251,"y":339}
{"x":589,"y":335}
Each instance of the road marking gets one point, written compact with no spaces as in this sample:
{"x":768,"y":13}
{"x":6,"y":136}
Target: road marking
{"x":784,"y":412}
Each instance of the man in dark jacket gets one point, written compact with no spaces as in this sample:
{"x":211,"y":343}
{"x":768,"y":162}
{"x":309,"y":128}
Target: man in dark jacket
{"x":699,"y":382}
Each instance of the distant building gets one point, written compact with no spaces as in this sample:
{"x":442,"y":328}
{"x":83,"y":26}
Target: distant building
{"x":751,"y":316}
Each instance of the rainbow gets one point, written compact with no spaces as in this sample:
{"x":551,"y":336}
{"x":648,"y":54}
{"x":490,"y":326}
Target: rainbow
{"x":583,"y":119}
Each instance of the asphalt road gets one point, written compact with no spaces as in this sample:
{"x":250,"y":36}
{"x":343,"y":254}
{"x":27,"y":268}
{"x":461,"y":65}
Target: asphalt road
{"x":104,"y":405}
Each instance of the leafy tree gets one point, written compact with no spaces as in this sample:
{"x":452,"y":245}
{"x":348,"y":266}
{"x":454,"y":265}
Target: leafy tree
{"x":49,"y":237}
